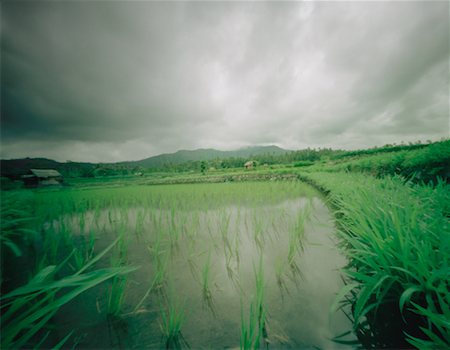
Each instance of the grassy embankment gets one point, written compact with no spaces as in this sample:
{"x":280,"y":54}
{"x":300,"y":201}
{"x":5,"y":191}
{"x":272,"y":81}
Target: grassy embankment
{"x":396,"y":235}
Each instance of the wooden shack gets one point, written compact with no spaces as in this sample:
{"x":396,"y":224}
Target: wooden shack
{"x":42,"y":177}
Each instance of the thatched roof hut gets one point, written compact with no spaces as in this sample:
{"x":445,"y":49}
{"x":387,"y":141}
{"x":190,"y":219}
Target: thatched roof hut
{"x":42,"y":177}
{"x":250,"y":164}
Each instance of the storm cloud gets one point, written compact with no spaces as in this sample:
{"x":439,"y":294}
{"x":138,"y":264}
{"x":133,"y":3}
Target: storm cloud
{"x":110,"y":81}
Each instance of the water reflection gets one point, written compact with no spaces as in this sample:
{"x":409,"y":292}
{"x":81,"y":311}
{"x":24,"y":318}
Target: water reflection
{"x":209,"y":260}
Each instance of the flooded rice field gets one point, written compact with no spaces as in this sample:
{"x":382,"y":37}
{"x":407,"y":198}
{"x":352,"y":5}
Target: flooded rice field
{"x":245,"y":274}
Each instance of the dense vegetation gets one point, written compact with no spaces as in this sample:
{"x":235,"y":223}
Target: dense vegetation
{"x":392,"y":212}
{"x":426,"y":162}
{"x":173,"y":231}
{"x":419,"y":163}
{"x":396,"y":236}
{"x":40,"y":273}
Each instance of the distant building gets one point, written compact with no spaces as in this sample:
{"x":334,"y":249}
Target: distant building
{"x":42,"y":177}
{"x":250,"y":164}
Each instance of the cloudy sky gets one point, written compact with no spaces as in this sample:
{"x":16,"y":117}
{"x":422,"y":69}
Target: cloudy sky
{"x":110,"y":81}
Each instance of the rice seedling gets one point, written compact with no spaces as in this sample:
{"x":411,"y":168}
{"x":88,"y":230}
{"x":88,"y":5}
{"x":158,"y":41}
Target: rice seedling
{"x":224,"y":225}
{"x":171,"y":222}
{"x":296,"y":241}
{"x":291,"y":258}
{"x":206,"y":284}
{"x":116,"y":292}
{"x":140,"y":218}
{"x":258,"y":231}
{"x":82,"y":222}
{"x":173,"y":231}
{"x":191,"y":259}
{"x":118,"y":285}
{"x":194,"y":227}
{"x":124,"y":216}
{"x":260,"y":300}
{"x":116,"y":295}
{"x":237,"y":242}
{"x":250,"y":333}
{"x":63,"y":231}
{"x":14,"y":225}
{"x":27,"y":309}
{"x":96,"y":216}
{"x":172,"y":318}
{"x":110,"y":217}
{"x":254,"y":332}
{"x":280,"y":278}
{"x":51,"y":244}
{"x":397,"y":242}
{"x":160,"y":262}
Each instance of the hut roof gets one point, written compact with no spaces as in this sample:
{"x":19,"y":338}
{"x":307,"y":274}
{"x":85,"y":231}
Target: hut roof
{"x":44,"y":173}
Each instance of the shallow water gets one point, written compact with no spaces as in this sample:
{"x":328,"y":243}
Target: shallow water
{"x":232,"y":241}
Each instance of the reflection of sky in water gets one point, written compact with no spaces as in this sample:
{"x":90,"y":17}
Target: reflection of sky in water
{"x":298,"y":307}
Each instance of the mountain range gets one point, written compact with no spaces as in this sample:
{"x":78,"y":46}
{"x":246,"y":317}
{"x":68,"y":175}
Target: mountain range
{"x":184,"y":156}
{"x":17,"y":167}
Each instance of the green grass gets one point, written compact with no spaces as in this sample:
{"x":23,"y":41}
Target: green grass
{"x":296,"y":239}
{"x":396,"y":236}
{"x":425,"y":163}
{"x":119,"y":284}
{"x":206,"y":285}
{"x":28,"y":309}
{"x":280,"y":270}
{"x":254,"y":332}
{"x":172,"y":318}
{"x":160,"y":257}
{"x":17,"y":233}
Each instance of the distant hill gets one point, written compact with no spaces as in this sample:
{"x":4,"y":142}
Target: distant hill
{"x":184,"y":156}
{"x":14,"y":168}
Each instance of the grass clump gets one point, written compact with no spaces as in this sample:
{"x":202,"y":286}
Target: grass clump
{"x":206,"y":284}
{"x":254,"y":332}
{"x":119,"y":283}
{"x":172,"y":318}
{"x":28,"y":309}
{"x":397,"y":241}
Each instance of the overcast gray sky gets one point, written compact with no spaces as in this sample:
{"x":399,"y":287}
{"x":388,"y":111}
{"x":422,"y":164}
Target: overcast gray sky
{"x":110,"y":81}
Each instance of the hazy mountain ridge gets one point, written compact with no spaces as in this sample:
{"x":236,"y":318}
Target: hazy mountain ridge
{"x":17,"y":167}
{"x":183,"y":156}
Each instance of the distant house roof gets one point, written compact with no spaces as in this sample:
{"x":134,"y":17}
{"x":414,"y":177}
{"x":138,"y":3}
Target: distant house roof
{"x":44,"y":173}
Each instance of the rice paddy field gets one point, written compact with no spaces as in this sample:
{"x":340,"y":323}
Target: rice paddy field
{"x":314,"y":261}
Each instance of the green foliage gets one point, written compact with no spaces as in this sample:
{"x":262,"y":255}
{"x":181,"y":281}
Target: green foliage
{"x":172,"y":319}
{"x":397,"y":241}
{"x":119,"y":283}
{"x":425,"y":163}
{"x":206,"y":283}
{"x":15,"y":225}
{"x":377,"y":150}
{"x":394,"y":233}
{"x":303,"y":163}
{"x":254,"y":332}
{"x":8,"y":184}
{"x":379,"y":160}
{"x":26,"y":310}
{"x":203,"y":167}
